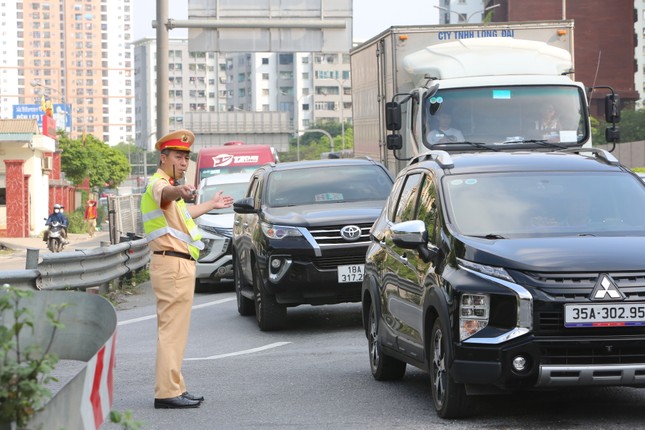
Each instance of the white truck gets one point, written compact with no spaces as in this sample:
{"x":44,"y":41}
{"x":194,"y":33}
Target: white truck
{"x":494,"y":81}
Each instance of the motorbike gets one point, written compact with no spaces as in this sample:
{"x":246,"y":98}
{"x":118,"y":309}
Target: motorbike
{"x":55,"y":241}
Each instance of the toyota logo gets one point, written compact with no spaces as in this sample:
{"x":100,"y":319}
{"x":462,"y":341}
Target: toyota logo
{"x":351,"y":232}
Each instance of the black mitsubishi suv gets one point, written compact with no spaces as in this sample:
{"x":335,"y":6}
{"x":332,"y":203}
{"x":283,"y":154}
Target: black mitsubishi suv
{"x":498,"y":272}
{"x":301,"y":232}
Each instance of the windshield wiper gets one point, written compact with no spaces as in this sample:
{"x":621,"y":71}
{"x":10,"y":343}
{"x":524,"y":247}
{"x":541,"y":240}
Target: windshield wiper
{"x":542,"y":142}
{"x":478,"y":145}
{"x":491,"y":236}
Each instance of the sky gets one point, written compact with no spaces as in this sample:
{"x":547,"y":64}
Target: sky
{"x":370,"y":16}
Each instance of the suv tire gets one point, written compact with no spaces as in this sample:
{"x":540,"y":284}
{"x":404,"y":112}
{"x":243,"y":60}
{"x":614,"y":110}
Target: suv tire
{"x":245,"y":306}
{"x":449,"y":398}
{"x":270,"y":314}
{"x":384,"y":367}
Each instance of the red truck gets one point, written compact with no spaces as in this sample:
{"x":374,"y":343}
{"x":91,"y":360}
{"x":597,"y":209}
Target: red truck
{"x":232,"y":157}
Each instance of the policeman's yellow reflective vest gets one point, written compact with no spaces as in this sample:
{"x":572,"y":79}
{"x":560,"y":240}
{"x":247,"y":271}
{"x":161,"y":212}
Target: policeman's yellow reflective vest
{"x":155,"y":224}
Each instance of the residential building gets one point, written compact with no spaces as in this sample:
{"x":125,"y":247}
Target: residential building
{"x":76,"y":53}
{"x":197,"y":83}
{"x":312,"y":87}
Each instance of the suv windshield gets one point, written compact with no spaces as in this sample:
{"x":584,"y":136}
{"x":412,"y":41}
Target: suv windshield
{"x":527,"y":204}
{"x":504,"y":115}
{"x":327,"y":184}
{"x":235,"y":190}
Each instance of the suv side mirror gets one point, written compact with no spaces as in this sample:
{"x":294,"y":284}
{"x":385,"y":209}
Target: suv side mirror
{"x":612,"y":108}
{"x":393,"y":116}
{"x":414,"y":235}
{"x":244,"y":206}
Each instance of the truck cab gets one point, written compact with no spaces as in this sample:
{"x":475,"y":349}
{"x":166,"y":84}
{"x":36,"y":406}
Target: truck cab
{"x":469,"y":88}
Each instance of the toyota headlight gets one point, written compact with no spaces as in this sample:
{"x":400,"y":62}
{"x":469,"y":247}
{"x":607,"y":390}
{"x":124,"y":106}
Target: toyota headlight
{"x":279,"y":231}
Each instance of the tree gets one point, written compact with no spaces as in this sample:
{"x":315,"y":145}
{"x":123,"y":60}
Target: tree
{"x":91,"y":158}
{"x":313,"y":144}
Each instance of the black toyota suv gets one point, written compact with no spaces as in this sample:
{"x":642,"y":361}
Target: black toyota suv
{"x":498,"y":272}
{"x":301,"y":232}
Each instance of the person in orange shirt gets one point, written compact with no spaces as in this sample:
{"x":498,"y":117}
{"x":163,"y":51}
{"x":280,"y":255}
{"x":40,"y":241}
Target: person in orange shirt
{"x":90,"y":217}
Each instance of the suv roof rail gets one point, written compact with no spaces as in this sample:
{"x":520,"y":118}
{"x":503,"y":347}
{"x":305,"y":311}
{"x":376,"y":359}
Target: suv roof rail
{"x":443,"y":158}
{"x":603,"y":154}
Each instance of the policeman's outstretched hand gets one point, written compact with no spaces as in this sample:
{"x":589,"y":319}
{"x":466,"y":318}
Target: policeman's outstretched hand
{"x":187,"y":192}
{"x":221,"y":201}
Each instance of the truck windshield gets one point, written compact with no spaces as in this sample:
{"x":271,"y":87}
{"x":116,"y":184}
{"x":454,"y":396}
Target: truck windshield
{"x":505,"y":116}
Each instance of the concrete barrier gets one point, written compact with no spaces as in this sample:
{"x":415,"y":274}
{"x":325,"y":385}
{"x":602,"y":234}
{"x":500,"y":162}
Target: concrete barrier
{"x":89,"y":336}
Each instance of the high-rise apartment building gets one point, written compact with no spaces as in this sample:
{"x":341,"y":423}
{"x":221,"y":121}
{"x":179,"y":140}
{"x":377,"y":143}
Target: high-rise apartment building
{"x":76,"y":53}
{"x":312,"y":87}
{"x":197,"y":83}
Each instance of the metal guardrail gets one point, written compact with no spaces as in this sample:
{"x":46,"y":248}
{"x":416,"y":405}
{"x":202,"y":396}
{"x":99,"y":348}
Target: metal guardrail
{"x":79,"y":269}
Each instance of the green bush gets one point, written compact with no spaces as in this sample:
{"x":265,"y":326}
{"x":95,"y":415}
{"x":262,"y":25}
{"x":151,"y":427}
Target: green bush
{"x":24,"y":372}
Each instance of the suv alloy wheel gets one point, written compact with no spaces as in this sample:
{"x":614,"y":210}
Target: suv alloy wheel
{"x":450,"y":399}
{"x":270,"y":314}
{"x":384,"y":367}
{"x":245,"y":306}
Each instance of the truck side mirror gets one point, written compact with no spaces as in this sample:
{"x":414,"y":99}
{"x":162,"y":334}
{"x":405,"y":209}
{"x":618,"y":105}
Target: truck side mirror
{"x":394,"y":142}
{"x":612,"y":134}
{"x":612,"y":108}
{"x":392,"y":116}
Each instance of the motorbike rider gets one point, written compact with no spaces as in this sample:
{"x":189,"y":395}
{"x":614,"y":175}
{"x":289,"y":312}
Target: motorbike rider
{"x":57,"y":216}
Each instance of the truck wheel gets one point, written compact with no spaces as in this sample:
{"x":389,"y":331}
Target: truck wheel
{"x":449,"y":398}
{"x":245,"y":306}
{"x":270,"y":314}
{"x":384,"y":367}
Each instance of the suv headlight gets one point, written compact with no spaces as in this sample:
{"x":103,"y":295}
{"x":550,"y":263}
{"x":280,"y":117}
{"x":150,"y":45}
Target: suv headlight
{"x":279,"y":231}
{"x":474,"y":310}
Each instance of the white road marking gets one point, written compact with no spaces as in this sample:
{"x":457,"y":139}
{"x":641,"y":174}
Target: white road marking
{"x":150,"y":317}
{"x":233,"y":354}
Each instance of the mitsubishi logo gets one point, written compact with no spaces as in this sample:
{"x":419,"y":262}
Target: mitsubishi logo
{"x":351,"y":232}
{"x":606,"y":289}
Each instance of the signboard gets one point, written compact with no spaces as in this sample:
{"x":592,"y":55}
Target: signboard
{"x":33,"y":111}
{"x":269,"y":25}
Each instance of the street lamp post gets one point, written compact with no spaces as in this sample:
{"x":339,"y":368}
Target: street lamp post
{"x":341,"y":88}
{"x":462,"y":16}
{"x":297,"y":123}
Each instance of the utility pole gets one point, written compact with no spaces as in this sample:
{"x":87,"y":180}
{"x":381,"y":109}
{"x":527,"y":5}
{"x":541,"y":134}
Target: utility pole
{"x":162,"y":68}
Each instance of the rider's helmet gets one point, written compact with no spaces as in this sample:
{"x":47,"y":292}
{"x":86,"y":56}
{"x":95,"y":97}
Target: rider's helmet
{"x":57,"y":206}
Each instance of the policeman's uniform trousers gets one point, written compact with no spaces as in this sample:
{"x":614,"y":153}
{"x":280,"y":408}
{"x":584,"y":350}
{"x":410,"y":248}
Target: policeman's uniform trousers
{"x":173,"y":282}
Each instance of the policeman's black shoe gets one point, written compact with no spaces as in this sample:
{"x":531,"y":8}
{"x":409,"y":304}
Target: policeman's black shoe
{"x":178,"y":402}
{"x":193,"y":396}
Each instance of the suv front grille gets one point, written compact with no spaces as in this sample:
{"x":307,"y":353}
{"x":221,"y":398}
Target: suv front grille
{"x":334,"y":262}
{"x":620,"y":354}
{"x":559,"y":288}
{"x":330,"y":235}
